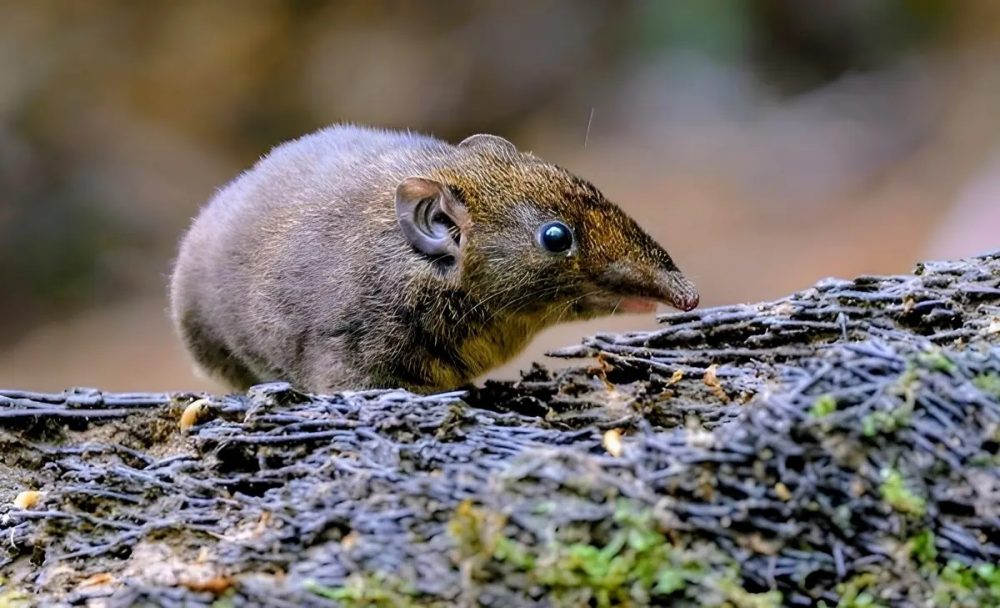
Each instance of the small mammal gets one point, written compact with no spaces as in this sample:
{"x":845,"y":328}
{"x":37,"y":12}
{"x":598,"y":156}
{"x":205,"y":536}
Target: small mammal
{"x":360,"y":258}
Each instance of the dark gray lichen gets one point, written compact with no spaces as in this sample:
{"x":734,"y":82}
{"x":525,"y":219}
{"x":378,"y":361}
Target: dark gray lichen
{"x":837,"y":447}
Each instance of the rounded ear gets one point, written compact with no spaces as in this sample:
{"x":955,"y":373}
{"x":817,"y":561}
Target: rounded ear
{"x":492,"y":143}
{"x":431,"y":218}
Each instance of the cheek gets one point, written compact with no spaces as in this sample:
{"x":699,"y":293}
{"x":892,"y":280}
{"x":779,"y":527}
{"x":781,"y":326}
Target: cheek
{"x":513,"y":261}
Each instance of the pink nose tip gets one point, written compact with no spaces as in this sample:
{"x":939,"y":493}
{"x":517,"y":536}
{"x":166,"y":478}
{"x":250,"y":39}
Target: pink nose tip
{"x":687,"y":301}
{"x":680,"y":292}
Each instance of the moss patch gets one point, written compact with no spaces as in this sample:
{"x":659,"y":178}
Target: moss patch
{"x":635,"y":564}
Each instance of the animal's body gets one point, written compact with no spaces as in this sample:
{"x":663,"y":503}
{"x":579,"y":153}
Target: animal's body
{"x":357,"y":258}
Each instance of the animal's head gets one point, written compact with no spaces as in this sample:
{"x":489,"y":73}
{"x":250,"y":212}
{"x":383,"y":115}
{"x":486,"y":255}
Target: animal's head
{"x":526,"y":235}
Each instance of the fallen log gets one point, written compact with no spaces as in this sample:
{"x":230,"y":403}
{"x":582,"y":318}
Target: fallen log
{"x":840,"y":446}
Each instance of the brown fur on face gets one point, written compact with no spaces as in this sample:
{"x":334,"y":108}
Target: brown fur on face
{"x":299,"y":269}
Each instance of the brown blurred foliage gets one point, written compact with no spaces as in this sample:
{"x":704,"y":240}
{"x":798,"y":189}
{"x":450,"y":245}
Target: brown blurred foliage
{"x":766,"y":143}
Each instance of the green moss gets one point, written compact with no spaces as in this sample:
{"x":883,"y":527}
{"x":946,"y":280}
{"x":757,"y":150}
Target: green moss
{"x":370,"y":591}
{"x":937,"y":361}
{"x":968,"y":585}
{"x":636,"y":564}
{"x":857,"y":592}
{"x":824,"y":406}
{"x":989,"y":383}
{"x":895,"y":492}
{"x":864,"y":599}
{"x":514,"y":554}
{"x":880,"y":422}
{"x":899,"y":415}
{"x":922,"y":547}
{"x":955,"y":583}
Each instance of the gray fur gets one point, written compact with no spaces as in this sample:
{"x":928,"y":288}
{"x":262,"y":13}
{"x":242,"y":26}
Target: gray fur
{"x":298,"y":270}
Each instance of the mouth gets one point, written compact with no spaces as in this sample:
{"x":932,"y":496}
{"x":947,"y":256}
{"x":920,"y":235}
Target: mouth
{"x":616,"y":304}
{"x":634,"y":305}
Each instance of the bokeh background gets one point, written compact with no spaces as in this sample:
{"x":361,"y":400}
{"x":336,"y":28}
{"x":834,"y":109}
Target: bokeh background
{"x":766,"y":143}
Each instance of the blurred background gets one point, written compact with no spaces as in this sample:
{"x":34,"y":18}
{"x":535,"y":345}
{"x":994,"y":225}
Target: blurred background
{"x":765,"y":143}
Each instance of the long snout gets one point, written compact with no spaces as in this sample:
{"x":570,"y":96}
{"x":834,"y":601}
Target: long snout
{"x":637,"y":283}
{"x":676,"y":290}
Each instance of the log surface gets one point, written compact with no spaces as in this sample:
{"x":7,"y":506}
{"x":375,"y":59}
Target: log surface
{"x":839,"y":445}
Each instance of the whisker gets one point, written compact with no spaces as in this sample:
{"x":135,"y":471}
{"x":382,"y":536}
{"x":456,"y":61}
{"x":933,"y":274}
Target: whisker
{"x":521,"y":299}
{"x":521,"y":284}
{"x":565,"y":308}
{"x":590,"y":121}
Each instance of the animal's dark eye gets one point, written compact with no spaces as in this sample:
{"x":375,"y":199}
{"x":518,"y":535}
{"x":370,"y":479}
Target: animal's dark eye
{"x":555,"y":237}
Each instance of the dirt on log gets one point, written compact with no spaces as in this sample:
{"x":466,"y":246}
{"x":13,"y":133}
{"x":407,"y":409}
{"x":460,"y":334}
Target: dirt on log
{"x":838,"y":447}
